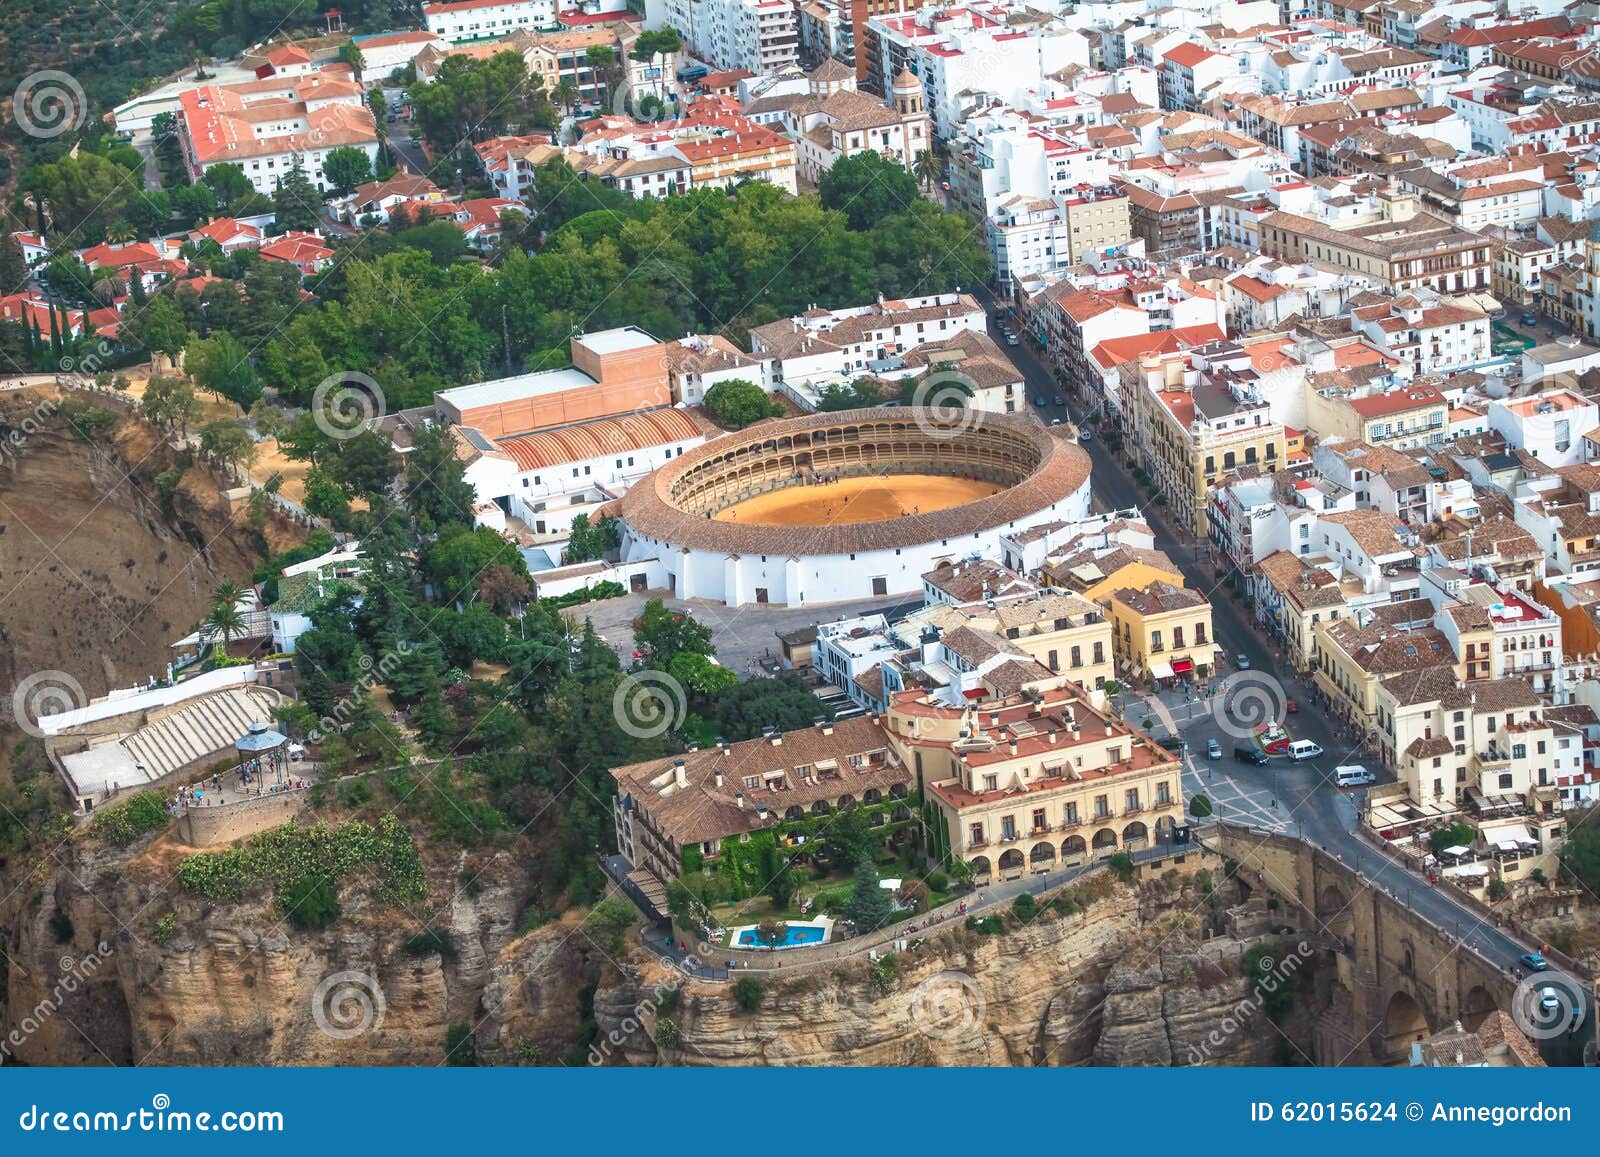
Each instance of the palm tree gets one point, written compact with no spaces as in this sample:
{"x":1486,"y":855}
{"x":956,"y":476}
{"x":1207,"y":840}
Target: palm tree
{"x":926,"y":168}
{"x":225,"y":620}
{"x":121,"y":231}
{"x":228,"y":592}
{"x":565,"y":95}
{"x":107,"y":289}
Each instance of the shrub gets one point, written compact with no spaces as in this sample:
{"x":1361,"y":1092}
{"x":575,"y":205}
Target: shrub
{"x":123,"y":824}
{"x":1498,"y":889}
{"x":666,"y":1032}
{"x":61,"y":926}
{"x":748,"y":993}
{"x":310,"y":902}
{"x":1024,"y":907}
{"x":1199,"y":806}
{"x":354,"y":793}
{"x":937,"y":882}
{"x":1121,"y":866}
{"x":610,"y":917}
{"x":883,"y":973}
{"x":460,"y":1049}
{"x":1537,"y":875}
{"x":165,"y":927}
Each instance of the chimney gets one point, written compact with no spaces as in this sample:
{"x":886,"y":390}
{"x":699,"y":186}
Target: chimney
{"x":1110,"y":731}
{"x":717,"y":777}
{"x":1012,"y":746}
{"x":680,"y":775}
{"x":1053,"y":734}
{"x":775,"y":737}
{"x":738,"y":798}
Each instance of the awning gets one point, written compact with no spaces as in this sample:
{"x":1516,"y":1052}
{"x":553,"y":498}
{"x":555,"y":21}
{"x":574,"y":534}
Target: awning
{"x":1161,"y":670}
{"x":1506,"y":845}
{"x":1468,"y":870}
{"x":1182,"y":666}
{"x":1457,"y":850}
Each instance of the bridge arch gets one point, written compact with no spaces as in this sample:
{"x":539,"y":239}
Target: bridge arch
{"x":1335,"y":914}
{"x":1476,"y":1007}
{"x":1404,"y":1023}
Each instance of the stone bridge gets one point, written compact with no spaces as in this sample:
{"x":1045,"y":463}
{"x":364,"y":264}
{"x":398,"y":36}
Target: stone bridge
{"x":1399,"y":977}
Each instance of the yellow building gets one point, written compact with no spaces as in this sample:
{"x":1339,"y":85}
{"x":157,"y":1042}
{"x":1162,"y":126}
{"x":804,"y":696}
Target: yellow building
{"x":1064,"y":632}
{"x":1035,"y":781}
{"x":1196,"y":430}
{"x":1162,"y":632}
{"x":1351,"y":659}
{"x":1403,"y":417}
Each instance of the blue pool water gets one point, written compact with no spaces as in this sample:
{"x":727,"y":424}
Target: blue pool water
{"x":792,"y":934}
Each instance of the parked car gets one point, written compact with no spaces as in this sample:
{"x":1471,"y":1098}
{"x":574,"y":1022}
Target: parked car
{"x":1011,"y":339}
{"x":1041,"y":401}
{"x":1291,"y":707}
{"x":1055,"y":421}
{"x":1213,"y":749}
{"x":1242,"y":661}
{"x":1250,"y":755}
{"x":1085,"y":434}
{"x":1060,"y":401}
{"x":1529,"y":319}
{"x":1303,"y":749}
{"x":1534,"y":962}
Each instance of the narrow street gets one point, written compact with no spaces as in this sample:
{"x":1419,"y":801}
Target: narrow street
{"x":1298,"y":799}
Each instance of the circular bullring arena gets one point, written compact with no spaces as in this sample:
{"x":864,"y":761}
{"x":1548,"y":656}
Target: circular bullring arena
{"x":848,"y":505}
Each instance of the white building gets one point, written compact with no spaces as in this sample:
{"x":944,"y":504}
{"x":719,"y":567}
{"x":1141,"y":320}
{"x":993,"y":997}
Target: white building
{"x":463,"y":20}
{"x":762,"y":36}
{"x":1550,"y":426}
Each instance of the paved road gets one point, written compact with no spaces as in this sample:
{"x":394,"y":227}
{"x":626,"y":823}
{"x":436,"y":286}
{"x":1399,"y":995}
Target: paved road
{"x":1298,"y":799}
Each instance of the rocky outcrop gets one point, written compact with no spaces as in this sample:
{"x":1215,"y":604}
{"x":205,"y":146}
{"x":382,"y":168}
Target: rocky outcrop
{"x":1123,"y":983}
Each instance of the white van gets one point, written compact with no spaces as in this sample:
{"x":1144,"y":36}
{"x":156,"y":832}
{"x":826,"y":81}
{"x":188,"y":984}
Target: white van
{"x":1352,"y":775}
{"x":1302,"y":749}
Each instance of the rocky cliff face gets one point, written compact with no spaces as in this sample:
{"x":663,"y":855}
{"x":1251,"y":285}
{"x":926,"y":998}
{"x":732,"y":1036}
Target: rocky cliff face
{"x":1123,"y":983}
{"x":235,"y":984}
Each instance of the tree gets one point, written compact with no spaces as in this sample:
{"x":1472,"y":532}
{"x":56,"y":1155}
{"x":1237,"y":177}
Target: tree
{"x":228,"y":441}
{"x":699,"y":674}
{"x":927,"y":167}
{"x":267,"y":418}
{"x":737,"y":402}
{"x":455,"y":564}
{"x":591,"y":542}
{"x":345,"y":168}
{"x":171,"y":401}
{"x":437,"y":492}
{"x":747,"y":993}
{"x":664,"y":634}
{"x":475,"y":633}
{"x":229,"y":183}
{"x":296,"y":201}
{"x":226,"y":621}
{"x":850,"y":839}
{"x":221,"y":365}
{"x":565,"y":94}
{"x":159,"y":327}
{"x":868,"y":907}
{"x":1460,"y":834}
{"x":310,"y":902}
{"x":1199,"y":806}
{"x":784,"y":702}
{"x":867,"y":188}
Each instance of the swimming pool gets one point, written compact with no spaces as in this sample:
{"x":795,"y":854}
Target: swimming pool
{"x":793,"y":934}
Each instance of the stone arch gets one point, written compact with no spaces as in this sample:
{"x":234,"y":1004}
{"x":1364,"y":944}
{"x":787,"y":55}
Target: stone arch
{"x":1335,"y":914}
{"x":1042,"y":855}
{"x":1404,"y":1023}
{"x":1135,"y":835}
{"x":1010,"y":861}
{"x":1476,"y":1007}
{"x":795,"y":812}
{"x":980,"y":867}
{"x":846,"y":801}
{"x":820,"y":808}
{"x":1105,"y":840}
{"x":1073,"y":847}
{"x":871,"y":796}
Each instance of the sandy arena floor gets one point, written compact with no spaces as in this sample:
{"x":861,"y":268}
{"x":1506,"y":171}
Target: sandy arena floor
{"x":856,"y":500}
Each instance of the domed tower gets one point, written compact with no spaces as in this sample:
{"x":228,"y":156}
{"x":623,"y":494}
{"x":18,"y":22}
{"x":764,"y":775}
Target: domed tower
{"x":907,"y":95}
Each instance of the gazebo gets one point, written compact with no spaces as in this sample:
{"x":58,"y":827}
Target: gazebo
{"x":261,"y":750}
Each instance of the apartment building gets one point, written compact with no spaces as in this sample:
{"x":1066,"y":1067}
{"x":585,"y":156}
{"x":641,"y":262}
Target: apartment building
{"x":1163,"y":633}
{"x":1036,"y":780}
{"x":1401,"y":417}
{"x":463,"y":21}
{"x":761,"y":36}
